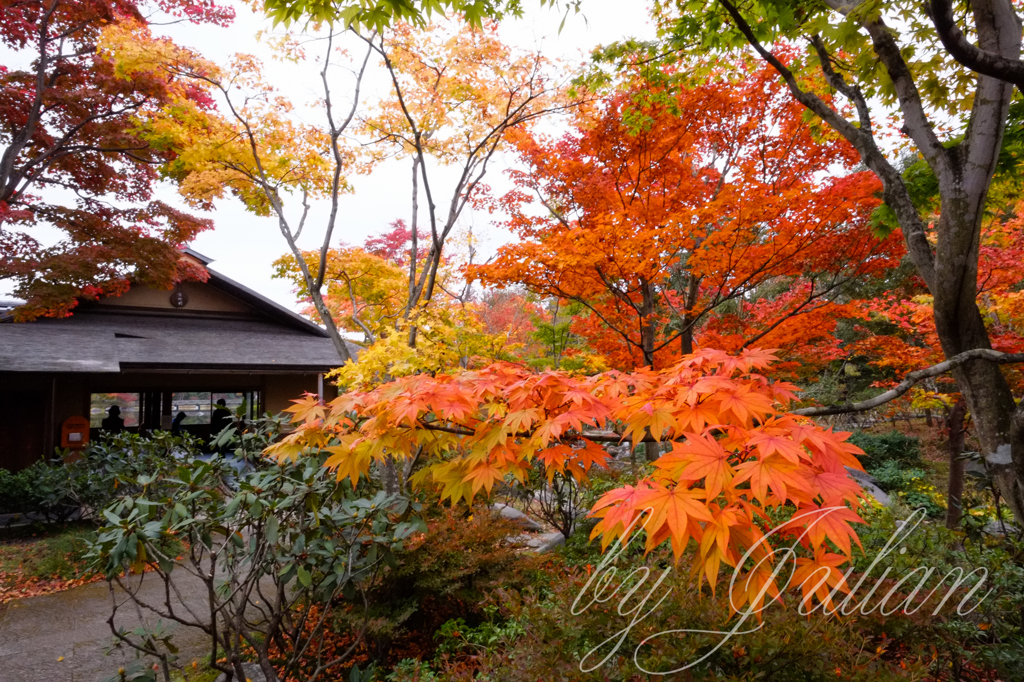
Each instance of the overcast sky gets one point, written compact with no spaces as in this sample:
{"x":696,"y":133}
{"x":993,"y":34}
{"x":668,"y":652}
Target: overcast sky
{"x":243,"y":246}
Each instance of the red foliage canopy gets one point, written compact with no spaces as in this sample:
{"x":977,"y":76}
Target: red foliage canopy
{"x":72,"y":162}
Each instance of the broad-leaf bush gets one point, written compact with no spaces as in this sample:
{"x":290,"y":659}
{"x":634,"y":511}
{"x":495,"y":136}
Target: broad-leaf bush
{"x":449,"y":572}
{"x":88,"y":480}
{"x":274,"y":552}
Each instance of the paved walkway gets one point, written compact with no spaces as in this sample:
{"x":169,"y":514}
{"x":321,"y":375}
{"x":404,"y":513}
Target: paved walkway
{"x":35,"y":633}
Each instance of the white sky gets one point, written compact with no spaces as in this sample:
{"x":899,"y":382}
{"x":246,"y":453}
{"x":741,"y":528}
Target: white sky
{"x":243,"y":246}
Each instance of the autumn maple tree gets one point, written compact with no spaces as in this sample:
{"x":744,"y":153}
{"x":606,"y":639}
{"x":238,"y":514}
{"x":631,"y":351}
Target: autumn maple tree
{"x":735,"y":453}
{"x":949,"y":118}
{"x":459,"y":97}
{"x":73,"y":164}
{"x":444,"y":79}
{"x":671,"y":210}
{"x":366,"y":287}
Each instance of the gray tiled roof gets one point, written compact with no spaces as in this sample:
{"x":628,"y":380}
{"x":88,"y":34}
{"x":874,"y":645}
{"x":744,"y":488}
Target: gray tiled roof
{"x":105,"y":342}
{"x":100,"y":339}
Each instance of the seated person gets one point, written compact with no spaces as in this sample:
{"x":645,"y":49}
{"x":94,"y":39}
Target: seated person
{"x":113,"y":422}
{"x":176,"y":424}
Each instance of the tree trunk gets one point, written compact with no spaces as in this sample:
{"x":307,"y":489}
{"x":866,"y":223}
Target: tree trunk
{"x":955,"y":492}
{"x":686,"y":338}
{"x":389,"y":476}
{"x":648,"y":326}
{"x":960,"y":327}
{"x":692,"y":289}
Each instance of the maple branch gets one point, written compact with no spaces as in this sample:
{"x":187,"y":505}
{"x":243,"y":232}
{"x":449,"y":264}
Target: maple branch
{"x":21,"y":139}
{"x":302,"y":220}
{"x":974,"y":58}
{"x":335,"y":133}
{"x":895,"y":191}
{"x":851,"y":91}
{"x":371,"y":338}
{"x":811,"y":298}
{"x":987,"y":354}
{"x":554,"y":213}
{"x":597,"y":437}
{"x":413,"y":238}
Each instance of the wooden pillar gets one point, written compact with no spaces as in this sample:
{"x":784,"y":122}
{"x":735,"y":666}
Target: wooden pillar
{"x":166,"y":418}
{"x":49,"y":436}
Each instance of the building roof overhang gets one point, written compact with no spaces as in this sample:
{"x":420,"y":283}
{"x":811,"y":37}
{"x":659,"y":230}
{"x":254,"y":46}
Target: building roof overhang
{"x":105,"y":339}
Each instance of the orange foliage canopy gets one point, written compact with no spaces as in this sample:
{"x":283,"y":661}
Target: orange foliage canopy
{"x":904,"y":337}
{"x":735,"y":452}
{"x":661,"y":207}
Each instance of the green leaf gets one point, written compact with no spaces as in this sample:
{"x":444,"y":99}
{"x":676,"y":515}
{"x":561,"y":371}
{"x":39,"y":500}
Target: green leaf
{"x":272,"y":528}
{"x":304,"y":577}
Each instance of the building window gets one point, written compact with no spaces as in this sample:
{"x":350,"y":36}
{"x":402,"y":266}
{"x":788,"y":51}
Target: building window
{"x":100,"y":404}
{"x":232,"y":401}
{"x":197,"y":406}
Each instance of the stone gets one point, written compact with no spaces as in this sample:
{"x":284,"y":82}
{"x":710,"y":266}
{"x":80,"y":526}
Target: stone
{"x":996,"y":528}
{"x":519,"y":517}
{"x":545,"y":542}
{"x":860,"y":476}
{"x":252,"y":671}
{"x":976,"y":468}
{"x":620,"y":451}
{"x":870,"y":485}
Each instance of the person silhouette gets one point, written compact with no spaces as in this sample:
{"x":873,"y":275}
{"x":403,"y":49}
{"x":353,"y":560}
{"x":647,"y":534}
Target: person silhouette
{"x":176,"y":424}
{"x":221,"y":417}
{"x":113,"y":422}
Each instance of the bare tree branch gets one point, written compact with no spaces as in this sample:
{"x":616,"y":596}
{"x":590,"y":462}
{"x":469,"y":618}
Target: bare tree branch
{"x":913,"y":378}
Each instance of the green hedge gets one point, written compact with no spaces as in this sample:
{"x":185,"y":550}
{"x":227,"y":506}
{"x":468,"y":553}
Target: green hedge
{"x":883,"y":447}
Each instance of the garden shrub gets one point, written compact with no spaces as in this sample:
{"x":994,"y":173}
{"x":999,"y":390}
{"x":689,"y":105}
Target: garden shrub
{"x":449,"y":572}
{"x":789,"y":648}
{"x":412,"y":670}
{"x":91,"y":480}
{"x":910,"y":486}
{"x":457,"y":636}
{"x":890,"y":446}
{"x":40,"y":489}
{"x":891,"y":475}
{"x":275,"y":553}
{"x":534,"y":635}
{"x":992,"y":637}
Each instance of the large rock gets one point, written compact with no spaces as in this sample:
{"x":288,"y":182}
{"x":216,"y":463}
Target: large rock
{"x":519,"y":517}
{"x":870,"y":485}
